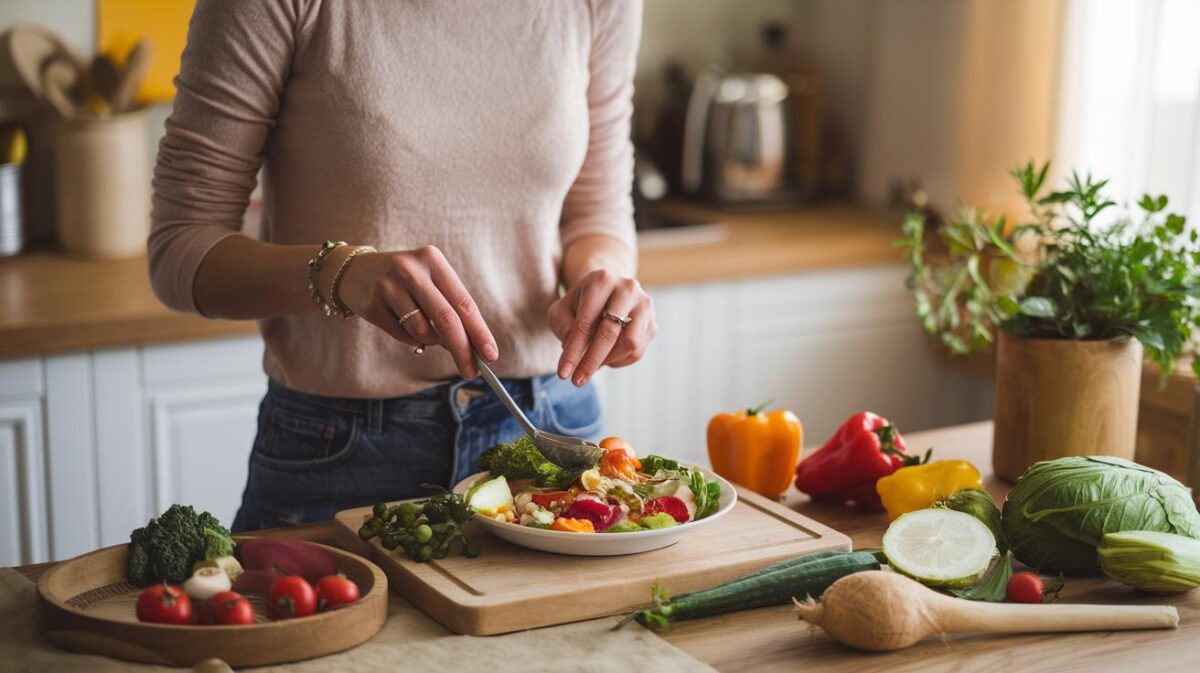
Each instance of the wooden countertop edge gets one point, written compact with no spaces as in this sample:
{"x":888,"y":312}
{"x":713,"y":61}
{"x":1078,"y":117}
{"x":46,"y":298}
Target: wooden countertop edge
{"x":57,"y":304}
{"x":40,"y":340}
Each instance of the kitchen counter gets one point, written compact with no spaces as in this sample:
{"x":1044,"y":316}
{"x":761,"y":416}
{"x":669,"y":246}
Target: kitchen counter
{"x":52,"y":303}
{"x":771,"y":639}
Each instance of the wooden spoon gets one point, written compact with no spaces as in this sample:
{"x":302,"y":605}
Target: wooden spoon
{"x":130,"y":78}
{"x":60,"y":78}
{"x":882,"y":611}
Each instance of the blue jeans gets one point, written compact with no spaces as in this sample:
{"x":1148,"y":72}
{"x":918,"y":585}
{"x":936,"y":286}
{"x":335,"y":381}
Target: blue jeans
{"x":315,"y":456}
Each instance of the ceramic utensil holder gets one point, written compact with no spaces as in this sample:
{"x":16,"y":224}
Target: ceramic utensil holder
{"x":102,"y":176}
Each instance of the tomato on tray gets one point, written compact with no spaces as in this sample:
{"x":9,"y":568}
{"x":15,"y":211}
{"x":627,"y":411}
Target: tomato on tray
{"x":227,"y":608}
{"x":336,"y":590}
{"x":164,"y":604}
{"x":292,"y":596}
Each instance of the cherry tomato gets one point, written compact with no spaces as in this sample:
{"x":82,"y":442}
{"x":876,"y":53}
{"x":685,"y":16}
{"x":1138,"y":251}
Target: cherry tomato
{"x":292,"y":596}
{"x":1025,"y":587}
{"x":164,"y":604}
{"x":226,"y":608}
{"x":336,"y":590}
{"x":616,"y":443}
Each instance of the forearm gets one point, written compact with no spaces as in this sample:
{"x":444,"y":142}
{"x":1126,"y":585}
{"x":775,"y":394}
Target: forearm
{"x":590,"y":253}
{"x":243,"y":279}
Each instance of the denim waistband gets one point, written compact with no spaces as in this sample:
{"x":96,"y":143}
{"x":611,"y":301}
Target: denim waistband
{"x":459,"y":397}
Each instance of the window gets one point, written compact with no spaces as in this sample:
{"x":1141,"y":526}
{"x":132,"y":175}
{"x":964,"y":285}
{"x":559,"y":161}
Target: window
{"x":1130,"y":105}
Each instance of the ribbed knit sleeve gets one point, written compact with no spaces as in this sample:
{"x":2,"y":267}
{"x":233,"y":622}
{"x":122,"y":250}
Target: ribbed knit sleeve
{"x":599,"y":201}
{"x":228,"y":90}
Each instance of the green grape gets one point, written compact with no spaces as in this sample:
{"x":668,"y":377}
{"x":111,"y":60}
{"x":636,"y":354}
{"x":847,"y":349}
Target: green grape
{"x":423,"y":533}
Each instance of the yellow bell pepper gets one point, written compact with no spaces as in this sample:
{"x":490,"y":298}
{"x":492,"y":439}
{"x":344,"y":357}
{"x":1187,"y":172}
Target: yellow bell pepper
{"x":919,"y":486}
{"x":756,"y":450}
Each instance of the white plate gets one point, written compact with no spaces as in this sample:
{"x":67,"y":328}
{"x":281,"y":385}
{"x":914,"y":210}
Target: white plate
{"x":600,"y":544}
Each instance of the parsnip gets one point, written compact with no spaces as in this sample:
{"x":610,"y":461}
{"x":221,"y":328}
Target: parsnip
{"x":882,"y":611}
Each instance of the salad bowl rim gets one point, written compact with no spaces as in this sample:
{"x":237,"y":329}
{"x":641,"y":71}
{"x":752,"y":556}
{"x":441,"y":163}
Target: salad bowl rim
{"x":726,"y":505}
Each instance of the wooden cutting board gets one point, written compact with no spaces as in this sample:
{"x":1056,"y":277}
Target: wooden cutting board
{"x":509,"y":588}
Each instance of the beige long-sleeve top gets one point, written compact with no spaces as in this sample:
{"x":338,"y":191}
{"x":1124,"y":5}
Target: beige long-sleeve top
{"x":497,"y":131}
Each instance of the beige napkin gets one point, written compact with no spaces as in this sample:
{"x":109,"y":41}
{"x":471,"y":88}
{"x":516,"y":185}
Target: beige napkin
{"x":409,"y":641}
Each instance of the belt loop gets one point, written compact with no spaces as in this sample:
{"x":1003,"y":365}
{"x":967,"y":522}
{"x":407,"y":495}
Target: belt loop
{"x":375,"y":416}
{"x":537,"y":390}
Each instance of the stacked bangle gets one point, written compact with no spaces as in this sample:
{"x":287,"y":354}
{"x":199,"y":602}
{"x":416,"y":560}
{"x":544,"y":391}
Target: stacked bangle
{"x":331,"y":305}
{"x":337,"y":280}
{"x":314,"y":266}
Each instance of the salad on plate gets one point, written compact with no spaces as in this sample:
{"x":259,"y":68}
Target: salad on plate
{"x":610,"y":490}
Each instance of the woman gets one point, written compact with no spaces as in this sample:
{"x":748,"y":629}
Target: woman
{"x":475,"y":157}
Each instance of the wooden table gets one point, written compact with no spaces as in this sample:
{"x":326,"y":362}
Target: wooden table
{"x":772,"y":639}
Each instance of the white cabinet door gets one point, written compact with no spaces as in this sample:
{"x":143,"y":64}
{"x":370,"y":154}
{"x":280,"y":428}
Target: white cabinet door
{"x":128,"y":432}
{"x":832,"y":344}
{"x":826,"y":345}
{"x":23,"y":521}
{"x":202,"y":406}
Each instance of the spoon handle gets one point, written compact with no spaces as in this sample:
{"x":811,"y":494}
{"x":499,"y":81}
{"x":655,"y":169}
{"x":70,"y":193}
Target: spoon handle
{"x":971,"y":617}
{"x":494,"y":383}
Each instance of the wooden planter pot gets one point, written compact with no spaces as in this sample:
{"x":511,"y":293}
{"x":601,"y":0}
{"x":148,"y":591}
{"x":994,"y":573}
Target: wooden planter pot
{"x":1058,"y":398}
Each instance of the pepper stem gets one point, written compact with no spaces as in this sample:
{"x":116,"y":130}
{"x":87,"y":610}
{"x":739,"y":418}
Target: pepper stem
{"x":754,"y":411}
{"x":887,"y":446}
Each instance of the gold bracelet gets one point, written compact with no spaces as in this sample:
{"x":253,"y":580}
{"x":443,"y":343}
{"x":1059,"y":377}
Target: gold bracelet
{"x":314,"y":265}
{"x":337,"y":280}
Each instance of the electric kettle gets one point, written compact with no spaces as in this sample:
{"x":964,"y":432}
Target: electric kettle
{"x":736,"y":139}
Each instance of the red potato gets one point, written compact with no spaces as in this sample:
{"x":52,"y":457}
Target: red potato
{"x":292,"y":557}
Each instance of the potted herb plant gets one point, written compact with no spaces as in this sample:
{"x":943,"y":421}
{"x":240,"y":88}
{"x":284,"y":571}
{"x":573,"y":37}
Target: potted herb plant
{"x":1071,"y":301}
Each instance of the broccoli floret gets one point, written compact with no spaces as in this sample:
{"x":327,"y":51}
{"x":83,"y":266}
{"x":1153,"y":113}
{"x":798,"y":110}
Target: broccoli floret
{"x":522,"y":460}
{"x":166,"y":548}
{"x":217,"y":543}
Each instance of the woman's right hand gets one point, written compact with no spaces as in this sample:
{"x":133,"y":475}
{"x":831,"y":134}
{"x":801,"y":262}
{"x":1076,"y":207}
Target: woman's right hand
{"x":380,"y":287}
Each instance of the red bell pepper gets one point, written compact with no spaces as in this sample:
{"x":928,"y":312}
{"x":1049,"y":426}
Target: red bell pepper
{"x":866,"y":448}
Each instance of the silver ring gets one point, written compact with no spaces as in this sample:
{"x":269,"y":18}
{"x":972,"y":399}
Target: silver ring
{"x":419,"y":350}
{"x":620,"y":320}
{"x":408,"y":315}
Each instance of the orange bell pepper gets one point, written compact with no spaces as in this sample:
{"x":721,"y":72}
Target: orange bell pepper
{"x":573,"y":525}
{"x":756,"y":450}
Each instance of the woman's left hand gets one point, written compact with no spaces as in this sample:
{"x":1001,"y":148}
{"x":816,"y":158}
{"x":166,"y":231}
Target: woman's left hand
{"x":590,"y":337}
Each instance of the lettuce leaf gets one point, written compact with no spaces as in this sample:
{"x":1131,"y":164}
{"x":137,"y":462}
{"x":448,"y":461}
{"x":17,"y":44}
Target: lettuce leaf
{"x":522,"y":460}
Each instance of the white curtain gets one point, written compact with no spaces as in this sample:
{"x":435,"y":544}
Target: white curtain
{"x":1130,"y":103}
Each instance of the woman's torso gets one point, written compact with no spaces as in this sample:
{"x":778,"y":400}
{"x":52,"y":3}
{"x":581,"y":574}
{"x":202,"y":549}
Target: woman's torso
{"x":460,"y":125}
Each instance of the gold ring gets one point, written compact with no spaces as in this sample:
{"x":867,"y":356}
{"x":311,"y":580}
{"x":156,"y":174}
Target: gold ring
{"x":408,"y":315}
{"x":419,"y":350}
{"x":620,"y":320}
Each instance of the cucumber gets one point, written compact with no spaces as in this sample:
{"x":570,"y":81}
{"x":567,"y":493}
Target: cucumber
{"x":806,"y":576}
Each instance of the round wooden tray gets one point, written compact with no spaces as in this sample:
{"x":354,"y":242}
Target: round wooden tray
{"x":88,"y":605}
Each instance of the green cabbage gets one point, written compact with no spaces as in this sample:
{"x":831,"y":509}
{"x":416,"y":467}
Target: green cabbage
{"x":1059,"y":511}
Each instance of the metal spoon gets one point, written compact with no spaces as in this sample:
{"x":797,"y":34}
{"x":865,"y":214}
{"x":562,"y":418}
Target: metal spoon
{"x":570,"y":453}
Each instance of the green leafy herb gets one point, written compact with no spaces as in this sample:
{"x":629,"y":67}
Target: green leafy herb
{"x":994,"y":586}
{"x":522,"y":460}
{"x":1062,"y":274}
